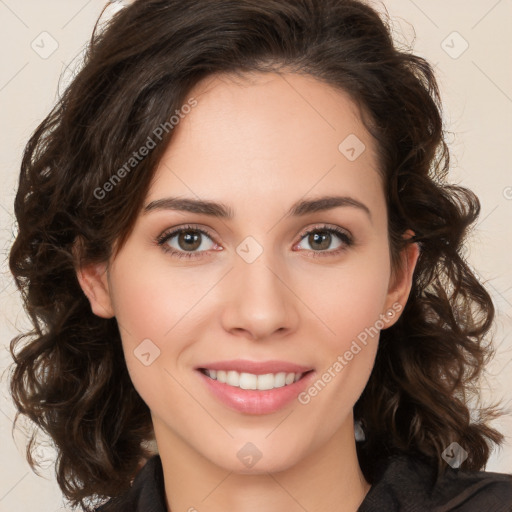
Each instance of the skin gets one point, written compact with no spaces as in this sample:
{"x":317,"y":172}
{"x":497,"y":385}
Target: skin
{"x":257,"y":145}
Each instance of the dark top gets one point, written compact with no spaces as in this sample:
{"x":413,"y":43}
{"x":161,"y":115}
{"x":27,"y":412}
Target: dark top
{"x":403,"y":484}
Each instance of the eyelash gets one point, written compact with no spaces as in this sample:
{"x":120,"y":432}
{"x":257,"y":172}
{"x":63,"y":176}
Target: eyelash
{"x":166,"y":236}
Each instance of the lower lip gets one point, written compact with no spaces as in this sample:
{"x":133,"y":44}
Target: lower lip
{"x":251,"y":401}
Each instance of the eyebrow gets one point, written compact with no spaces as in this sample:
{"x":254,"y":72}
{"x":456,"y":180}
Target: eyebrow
{"x":221,"y":210}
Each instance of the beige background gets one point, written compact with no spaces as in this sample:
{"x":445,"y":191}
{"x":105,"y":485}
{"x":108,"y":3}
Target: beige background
{"x":476,"y":84}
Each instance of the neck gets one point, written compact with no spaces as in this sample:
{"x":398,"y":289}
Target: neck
{"x":328,"y":479}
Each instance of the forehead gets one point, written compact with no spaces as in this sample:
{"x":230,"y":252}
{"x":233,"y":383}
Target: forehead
{"x":265,"y":135}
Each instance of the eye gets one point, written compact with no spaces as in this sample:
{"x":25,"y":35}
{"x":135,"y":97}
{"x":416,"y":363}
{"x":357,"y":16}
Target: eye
{"x":321,"y":237}
{"x":188,"y":241}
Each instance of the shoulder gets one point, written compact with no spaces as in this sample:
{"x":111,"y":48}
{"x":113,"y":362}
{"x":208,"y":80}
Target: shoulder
{"x":146,"y":494}
{"x":409,"y":484}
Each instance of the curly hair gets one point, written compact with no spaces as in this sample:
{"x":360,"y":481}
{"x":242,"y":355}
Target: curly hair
{"x":69,"y":375}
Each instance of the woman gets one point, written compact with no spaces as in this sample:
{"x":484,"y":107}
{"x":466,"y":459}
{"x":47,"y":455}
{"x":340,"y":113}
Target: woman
{"x":237,"y":241}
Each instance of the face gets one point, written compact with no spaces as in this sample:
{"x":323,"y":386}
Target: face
{"x":307,"y":289}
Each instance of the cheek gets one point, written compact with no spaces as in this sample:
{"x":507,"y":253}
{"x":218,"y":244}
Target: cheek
{"x":350,"y":303}
{"x":150,"y":299}
{"x":350,"y":298}
{"x":350,"y":310}
{"x":149,"y":310}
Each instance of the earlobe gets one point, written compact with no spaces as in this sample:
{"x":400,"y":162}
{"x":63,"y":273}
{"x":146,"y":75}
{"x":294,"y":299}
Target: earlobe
{"x":401,"y":284}
{"x":93,"y":280}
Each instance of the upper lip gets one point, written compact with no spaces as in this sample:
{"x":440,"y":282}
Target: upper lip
{"x":255,"y":367}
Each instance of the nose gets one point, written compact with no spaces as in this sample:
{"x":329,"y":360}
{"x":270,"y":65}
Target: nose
{"x":260,"y":300}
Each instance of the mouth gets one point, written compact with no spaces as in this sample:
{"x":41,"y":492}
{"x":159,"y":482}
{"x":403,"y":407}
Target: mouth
{"x":252,"y":381}
{"x":256,"y":393}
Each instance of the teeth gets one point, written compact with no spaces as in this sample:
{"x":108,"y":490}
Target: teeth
{"x":252,"y":381}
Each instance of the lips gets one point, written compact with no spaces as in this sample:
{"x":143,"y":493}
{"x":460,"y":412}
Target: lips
{"x":241,"y":395}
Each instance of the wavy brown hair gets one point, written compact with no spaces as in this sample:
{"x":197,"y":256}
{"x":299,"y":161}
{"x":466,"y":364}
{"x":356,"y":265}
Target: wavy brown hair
{"x":69,"y":375}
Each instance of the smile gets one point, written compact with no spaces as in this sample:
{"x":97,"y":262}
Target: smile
{"x":255,"y":393}
{"x":252,"y":381}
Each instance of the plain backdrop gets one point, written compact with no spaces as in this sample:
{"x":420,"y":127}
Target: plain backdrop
{"x":468,"y":42}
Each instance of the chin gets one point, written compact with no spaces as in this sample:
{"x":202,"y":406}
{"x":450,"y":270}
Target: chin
{"x":251,"y":460}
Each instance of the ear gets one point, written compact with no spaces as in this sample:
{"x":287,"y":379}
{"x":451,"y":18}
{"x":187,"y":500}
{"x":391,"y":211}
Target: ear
{"x":93,"y":280}
{"x":401,"y":282}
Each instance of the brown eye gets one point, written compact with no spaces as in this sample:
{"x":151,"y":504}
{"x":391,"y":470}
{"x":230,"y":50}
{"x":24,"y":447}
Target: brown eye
{"x":320,"y":239}
{"x":187,"y":242}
